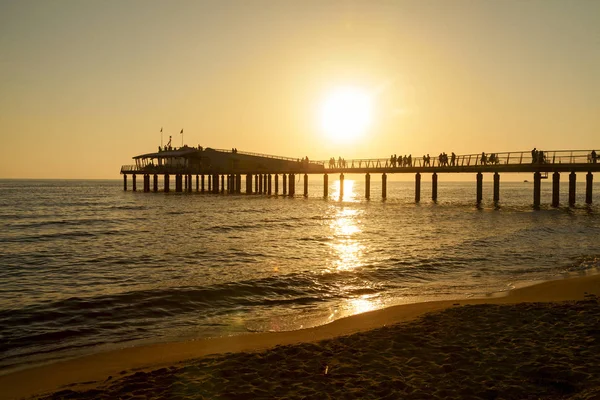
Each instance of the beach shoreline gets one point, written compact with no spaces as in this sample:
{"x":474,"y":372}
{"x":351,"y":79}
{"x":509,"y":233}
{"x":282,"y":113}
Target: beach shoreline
{"x":93,"y":370}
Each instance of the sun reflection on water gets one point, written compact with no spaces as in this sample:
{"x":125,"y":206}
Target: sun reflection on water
{"x":349,"y":194}
{"x":348,"y":250}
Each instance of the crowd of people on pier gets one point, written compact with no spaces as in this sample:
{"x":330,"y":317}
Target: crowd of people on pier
{"x":490,"y":159}
{"x":340,"y":163}
{"x":538,"y":156}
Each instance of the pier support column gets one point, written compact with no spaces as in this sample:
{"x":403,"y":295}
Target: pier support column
{"x":434,"y":187}
{"x":479,"y":187}
{"x":202,"y":183}
{"x":276,"y":183}
{"x":125,"y":182}
{"x":383,"y":186}
{"x":341,"y":186}
{"x":589,"y":180}
{"x":265,"y":183}
{"x":555,"y":189}
{"x":133,"y":183}
{"x":260,"y":184}
{"x":537,"y":187}
{"x":215,"y":183}
{"x":496,"y":187}
{"x":292,"y":184}
{"x":325,"y":186}
{"x":238,"y":186}
{"x":305,"y":185}
{"x":284,"y":183}
{"x":146,"y":183}
{"x":572,"y":185}
{"x":248,"y":183}
{"x":368,"y":186}
{"x":189,"y":183}
{"x":269,"y":185}
{"x":178,"y":184}
{"x":166,"y":182}
{"x":417,"y":187}
{"x":197,"y":183}
{"x":155,"y":188}
{"x":209,"y":183}
{"x":222,"y":183}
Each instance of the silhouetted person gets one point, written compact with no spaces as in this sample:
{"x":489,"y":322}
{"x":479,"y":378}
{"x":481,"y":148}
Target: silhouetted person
{"x":594,"y":156}
{"x":534,"y":155}
{"x":453,"y":159}
{"x":483,"y":158}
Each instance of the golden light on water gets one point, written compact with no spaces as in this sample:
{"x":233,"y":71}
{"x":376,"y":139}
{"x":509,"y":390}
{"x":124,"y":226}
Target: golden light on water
{"x":349,"y":194}
{"x":347,"y":248}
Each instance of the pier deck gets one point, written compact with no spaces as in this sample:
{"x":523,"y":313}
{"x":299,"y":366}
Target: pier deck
{"x":225,"y":168}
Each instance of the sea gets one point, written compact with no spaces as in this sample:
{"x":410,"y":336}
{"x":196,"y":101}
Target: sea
{"x":86,"y":267}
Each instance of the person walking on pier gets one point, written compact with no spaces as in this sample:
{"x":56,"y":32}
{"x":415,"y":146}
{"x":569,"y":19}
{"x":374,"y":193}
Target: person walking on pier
{"x":483,"y":158}
{"x":534,"y":154}
{"x":594,"y":157}
{"x":453,"y":159}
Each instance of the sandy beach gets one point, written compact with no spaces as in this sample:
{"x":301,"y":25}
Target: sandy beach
{"x":541,"y":341}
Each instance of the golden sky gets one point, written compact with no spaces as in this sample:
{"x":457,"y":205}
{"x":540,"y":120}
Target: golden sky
{"x":86,"y":85}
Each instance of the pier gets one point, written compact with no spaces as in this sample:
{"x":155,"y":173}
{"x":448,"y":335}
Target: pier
{"x":221,"y":171}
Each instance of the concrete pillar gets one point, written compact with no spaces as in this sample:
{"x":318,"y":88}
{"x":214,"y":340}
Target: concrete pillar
{"x":229,"y":183}
{"x":479,"y":187}
{"x":325,"y":186}
{"x":284,"y":183}
{"x":248,"y":183}
{"x":434,"y":187}
{"x":222,"y":183}
{"x":292,"y":184}
{"x":589,"y":180}
{"x":417,"y":187}
{"x":201,"y":183}
{"x":238,"y":185}
{"x":146,"y":183}
{"x":572,"y":185}
{"x":209,"y":180}
{"x":269,"y":185}
{"x":367,"y":186}
{"x":166,"y":182}
{"x":537,"y":187}
{"x":305,"y":185}
{"x":555,"y":189}
{"x":133,"y":183}
{"x":125,"y":182}
{"x":215,"y":183}
{"x":155,"y":188}
{"x":265,"y":183}
{"x":189,"y":183}
{"x":178,"y":184}
{"x":341,"y":185}
{"x":383,"y":186}
{"x":197,"y":183}
{"x":496,"y":187}
{"x":276,"y":183}
{"x":260,"y":184}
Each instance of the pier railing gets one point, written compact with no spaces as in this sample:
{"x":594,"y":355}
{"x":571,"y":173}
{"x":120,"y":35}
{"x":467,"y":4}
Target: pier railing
{"x":467,"y":160}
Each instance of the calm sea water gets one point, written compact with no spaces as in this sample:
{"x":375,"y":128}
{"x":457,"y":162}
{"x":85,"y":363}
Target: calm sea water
{"x":87,"y":267}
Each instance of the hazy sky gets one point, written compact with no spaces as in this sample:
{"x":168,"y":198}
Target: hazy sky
{"x":85,"y":85}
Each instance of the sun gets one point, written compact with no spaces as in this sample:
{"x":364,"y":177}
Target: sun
{"x":346,"y":113}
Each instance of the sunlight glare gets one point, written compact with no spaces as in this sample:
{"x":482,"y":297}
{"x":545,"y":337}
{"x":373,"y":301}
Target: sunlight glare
{"x":346,"y":114}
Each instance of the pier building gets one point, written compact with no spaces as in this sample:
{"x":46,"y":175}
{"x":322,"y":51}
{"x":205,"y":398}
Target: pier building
{"x":221,"y":171}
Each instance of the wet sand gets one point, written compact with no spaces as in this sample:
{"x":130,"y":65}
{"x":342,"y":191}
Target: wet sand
{"x":541,"y":341}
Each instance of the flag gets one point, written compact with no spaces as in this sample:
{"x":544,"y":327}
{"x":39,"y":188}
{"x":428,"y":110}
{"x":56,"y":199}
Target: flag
{"x":181,"y":131}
